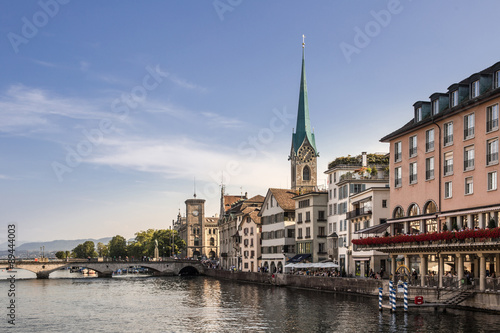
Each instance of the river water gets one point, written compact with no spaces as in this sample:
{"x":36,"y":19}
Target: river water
{"x":68,"y":302}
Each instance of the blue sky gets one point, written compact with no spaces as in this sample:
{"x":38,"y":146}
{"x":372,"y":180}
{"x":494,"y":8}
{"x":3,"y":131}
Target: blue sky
{"x":110,"y":110}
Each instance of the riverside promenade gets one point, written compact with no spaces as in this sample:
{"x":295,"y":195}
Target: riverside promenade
{"x":453,"y":297}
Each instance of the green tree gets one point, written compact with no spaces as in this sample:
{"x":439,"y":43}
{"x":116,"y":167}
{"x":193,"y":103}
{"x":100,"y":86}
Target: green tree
{"x":117,"y":247}
{"x":102,"y":249}
{"x":85,"y":250}
{"x":168,"y":240}
{"x":60,"y":255}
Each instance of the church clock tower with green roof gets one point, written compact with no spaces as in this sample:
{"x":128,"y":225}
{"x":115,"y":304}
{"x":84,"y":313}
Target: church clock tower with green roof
{"x":303,"y":154}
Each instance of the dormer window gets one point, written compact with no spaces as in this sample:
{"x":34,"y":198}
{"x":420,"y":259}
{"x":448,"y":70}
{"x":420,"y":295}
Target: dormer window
{"x":418,"y":114}
{"x":435,"y":106}
{"x":474,"y":89}
{"x":496,"y":83}
{"x":454,"y":98}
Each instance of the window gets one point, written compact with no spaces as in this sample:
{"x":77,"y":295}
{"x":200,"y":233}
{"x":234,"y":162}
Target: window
{"x":397,"y":151}
{"x":492,"y":118}
{"x":334,"y":193}
{"x":321,"y":215}
{"x":429,"y":168}
{"x":496,"y":83}
{"x":308,"y":217}
{"x":413,"y":173}
{"x":306,"y":174}
{"x":448,"y":134}
{"x":468,"y":158}
{"x":454,"y":98}
{"x":469,"y":185}
{"x":300,"y":233}
{"x":448,"y":163}
{"x":448,"y":190}
{"x":469,"y":126}
{"x":321,"y":231}
{"x":304,"y":203}
{"x":308,"y":232}
{"x":330,"y":178}
{"x":413,"y":146}
{"x":435,"y":106}
{"x":418,"y":114}
{"x":330,"y":209}
{"x":492,"y":152}
{"x":384,"y":203}
{"x":492,"y":181}
{"x":341,"y":225}
{"x":212,"y":241}
{"x":334,"y":209}
{"x":330,"y":194}
{"x":474,"y":89}
{"x":321,"y":248}
{"x":299,"y":217}
{"x":334,"y":177}
{"x":429,"y":140}
{"x":397,"y":177}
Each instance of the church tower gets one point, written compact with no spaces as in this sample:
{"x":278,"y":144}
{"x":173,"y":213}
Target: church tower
{"x":303,"y":153}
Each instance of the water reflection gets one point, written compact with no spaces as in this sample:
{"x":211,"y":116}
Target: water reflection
{"x":202,"y":304}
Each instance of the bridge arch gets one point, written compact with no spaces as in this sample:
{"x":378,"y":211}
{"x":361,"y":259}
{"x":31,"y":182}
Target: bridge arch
{"x":189,"y":270}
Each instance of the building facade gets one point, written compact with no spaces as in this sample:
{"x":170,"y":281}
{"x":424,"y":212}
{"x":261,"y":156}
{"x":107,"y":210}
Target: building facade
{"x":250,"y":231}
{"x":368,"y":215}
{"x":348,"y":176}
{"x":311,"y":226}
{"x":444,"y":167}
{"x":278,"y":229}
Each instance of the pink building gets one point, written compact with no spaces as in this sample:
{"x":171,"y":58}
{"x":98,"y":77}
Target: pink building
{"x":443,"y":176}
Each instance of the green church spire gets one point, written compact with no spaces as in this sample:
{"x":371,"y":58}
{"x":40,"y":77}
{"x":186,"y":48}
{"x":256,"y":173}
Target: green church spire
{"x":303,"y":129}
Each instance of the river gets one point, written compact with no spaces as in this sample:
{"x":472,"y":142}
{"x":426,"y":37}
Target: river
{"x":64,"y":303}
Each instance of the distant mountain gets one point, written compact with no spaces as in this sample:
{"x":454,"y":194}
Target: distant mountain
{"x":56,"y":245}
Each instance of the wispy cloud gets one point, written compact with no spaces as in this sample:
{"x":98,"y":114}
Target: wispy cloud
{"x":23,"y":108}
{"x":216,"y":120}
{"x":186,"y":84}
{"x":183,"y":158}
{"x":44,"y":63}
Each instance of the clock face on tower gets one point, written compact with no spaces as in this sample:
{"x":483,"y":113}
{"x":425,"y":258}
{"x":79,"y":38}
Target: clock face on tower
{"x":195,"y":212}
{"x":305,"y":154}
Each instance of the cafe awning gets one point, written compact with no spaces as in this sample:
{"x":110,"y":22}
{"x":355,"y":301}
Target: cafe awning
{"x":376,"y":229}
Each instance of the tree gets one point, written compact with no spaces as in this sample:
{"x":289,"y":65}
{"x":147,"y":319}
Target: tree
{"x":491,"y":224}
{"x":169,"y":243}
{"x":117,"y":247}
{"x":85,"y":250}
{"x":445,"y":227}
{"x":61,"y":255}
{"x":102,"y":249}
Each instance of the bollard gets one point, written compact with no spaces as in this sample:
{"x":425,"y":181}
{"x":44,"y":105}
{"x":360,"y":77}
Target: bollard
{"x":380,"y":298}
{"x":406,"y":296}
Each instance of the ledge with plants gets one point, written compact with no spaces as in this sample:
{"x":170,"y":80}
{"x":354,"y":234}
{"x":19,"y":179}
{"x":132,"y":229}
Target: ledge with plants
{"x":432,"y":237}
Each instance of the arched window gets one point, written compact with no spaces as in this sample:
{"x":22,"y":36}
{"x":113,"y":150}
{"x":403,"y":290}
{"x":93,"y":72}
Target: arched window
{"x":430,"y":207}
{"x":306,"y":173}
{"x":413,"y":210}
{"x":398,"y":212}
{"x":212,"y":241}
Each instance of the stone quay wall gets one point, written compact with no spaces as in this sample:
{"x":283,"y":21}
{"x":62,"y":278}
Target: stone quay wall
{"x":489,"y":301}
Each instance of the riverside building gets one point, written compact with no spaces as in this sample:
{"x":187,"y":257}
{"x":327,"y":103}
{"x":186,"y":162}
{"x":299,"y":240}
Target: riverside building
{"x":444,"y":168}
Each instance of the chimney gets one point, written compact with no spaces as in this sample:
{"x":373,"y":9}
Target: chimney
{"x":364,"y":161}
{"x":246,"y":195}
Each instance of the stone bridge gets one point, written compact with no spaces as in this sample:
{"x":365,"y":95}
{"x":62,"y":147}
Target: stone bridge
{"x":42,"y":269}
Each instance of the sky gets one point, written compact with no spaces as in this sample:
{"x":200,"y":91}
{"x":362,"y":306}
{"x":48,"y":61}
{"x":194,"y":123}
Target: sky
{"x":113,"y":113}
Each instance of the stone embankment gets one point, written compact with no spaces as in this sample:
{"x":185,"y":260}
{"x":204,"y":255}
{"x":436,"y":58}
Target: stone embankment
{"x":488,"y":300}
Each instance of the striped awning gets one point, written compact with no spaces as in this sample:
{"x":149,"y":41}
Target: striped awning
{"x":471,"y":211}
{"x":413,"y":218}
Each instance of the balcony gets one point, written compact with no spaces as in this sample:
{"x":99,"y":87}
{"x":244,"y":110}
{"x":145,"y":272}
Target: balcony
{"x":307,"y":237}
{"x":448,"y":139}
{"x":469,"y":164}
{"x":448,"y":169}
{"x":491,"y":125}
{"x":359,"y":212}
{"x":469,"y":133}
{"x":492,"y":158}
